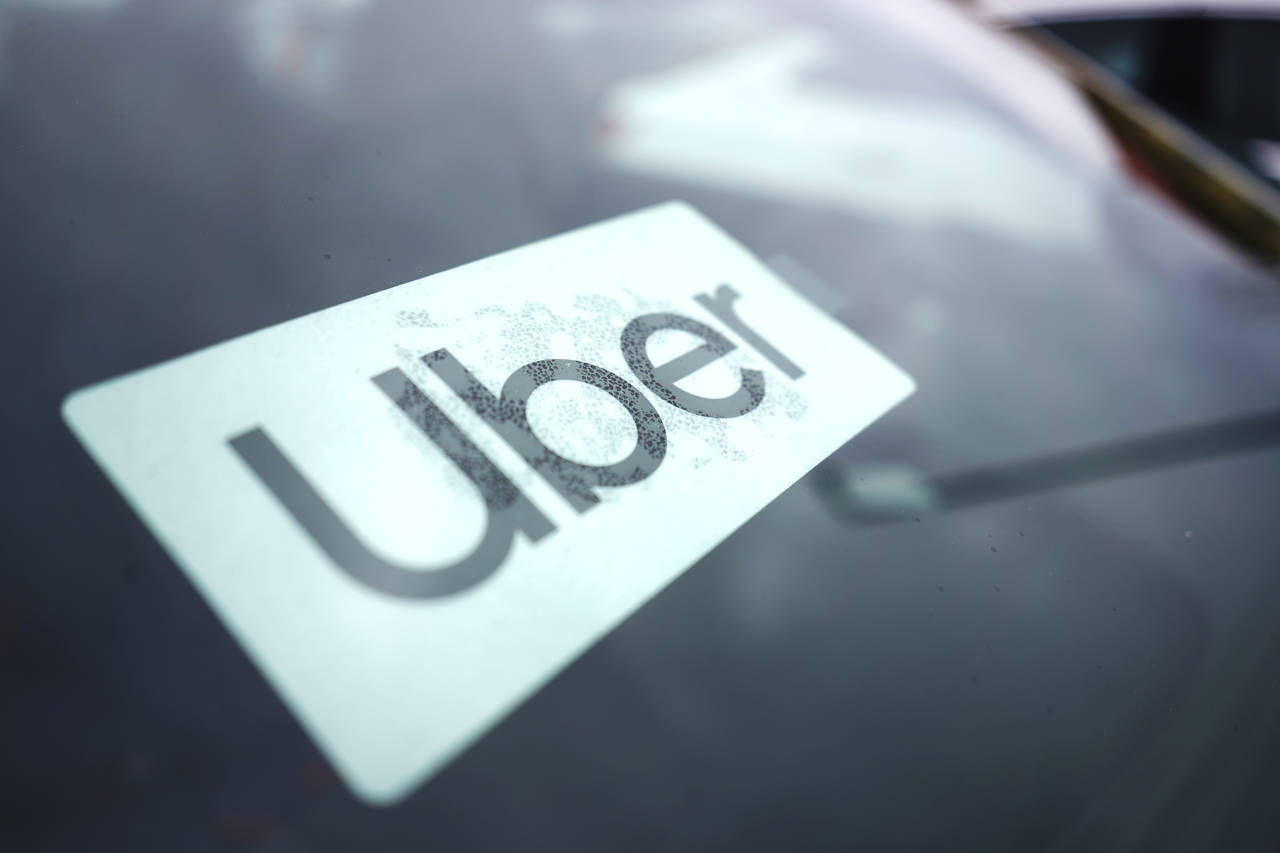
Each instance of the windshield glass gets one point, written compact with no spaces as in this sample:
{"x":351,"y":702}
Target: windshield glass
{"x":1030,"y":607}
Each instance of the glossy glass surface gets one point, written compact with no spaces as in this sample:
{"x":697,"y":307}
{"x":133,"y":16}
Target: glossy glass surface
{"x":1032,"y":608}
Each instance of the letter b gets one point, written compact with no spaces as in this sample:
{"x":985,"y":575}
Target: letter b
{"x":508,"y":416}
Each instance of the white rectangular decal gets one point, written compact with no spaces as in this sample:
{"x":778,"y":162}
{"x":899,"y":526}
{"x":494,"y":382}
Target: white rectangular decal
{"x":414,"y":509}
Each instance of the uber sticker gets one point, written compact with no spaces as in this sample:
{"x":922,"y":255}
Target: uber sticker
{"x":414,"y":509}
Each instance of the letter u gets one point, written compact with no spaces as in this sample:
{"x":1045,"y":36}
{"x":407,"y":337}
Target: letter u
{"x":508,"y":510}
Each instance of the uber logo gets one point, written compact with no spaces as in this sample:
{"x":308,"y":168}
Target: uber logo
{"x":508,"y":509}
{"x":408,"y":539}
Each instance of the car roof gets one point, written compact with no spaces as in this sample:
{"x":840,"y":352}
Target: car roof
{"x":1054,"y":9}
